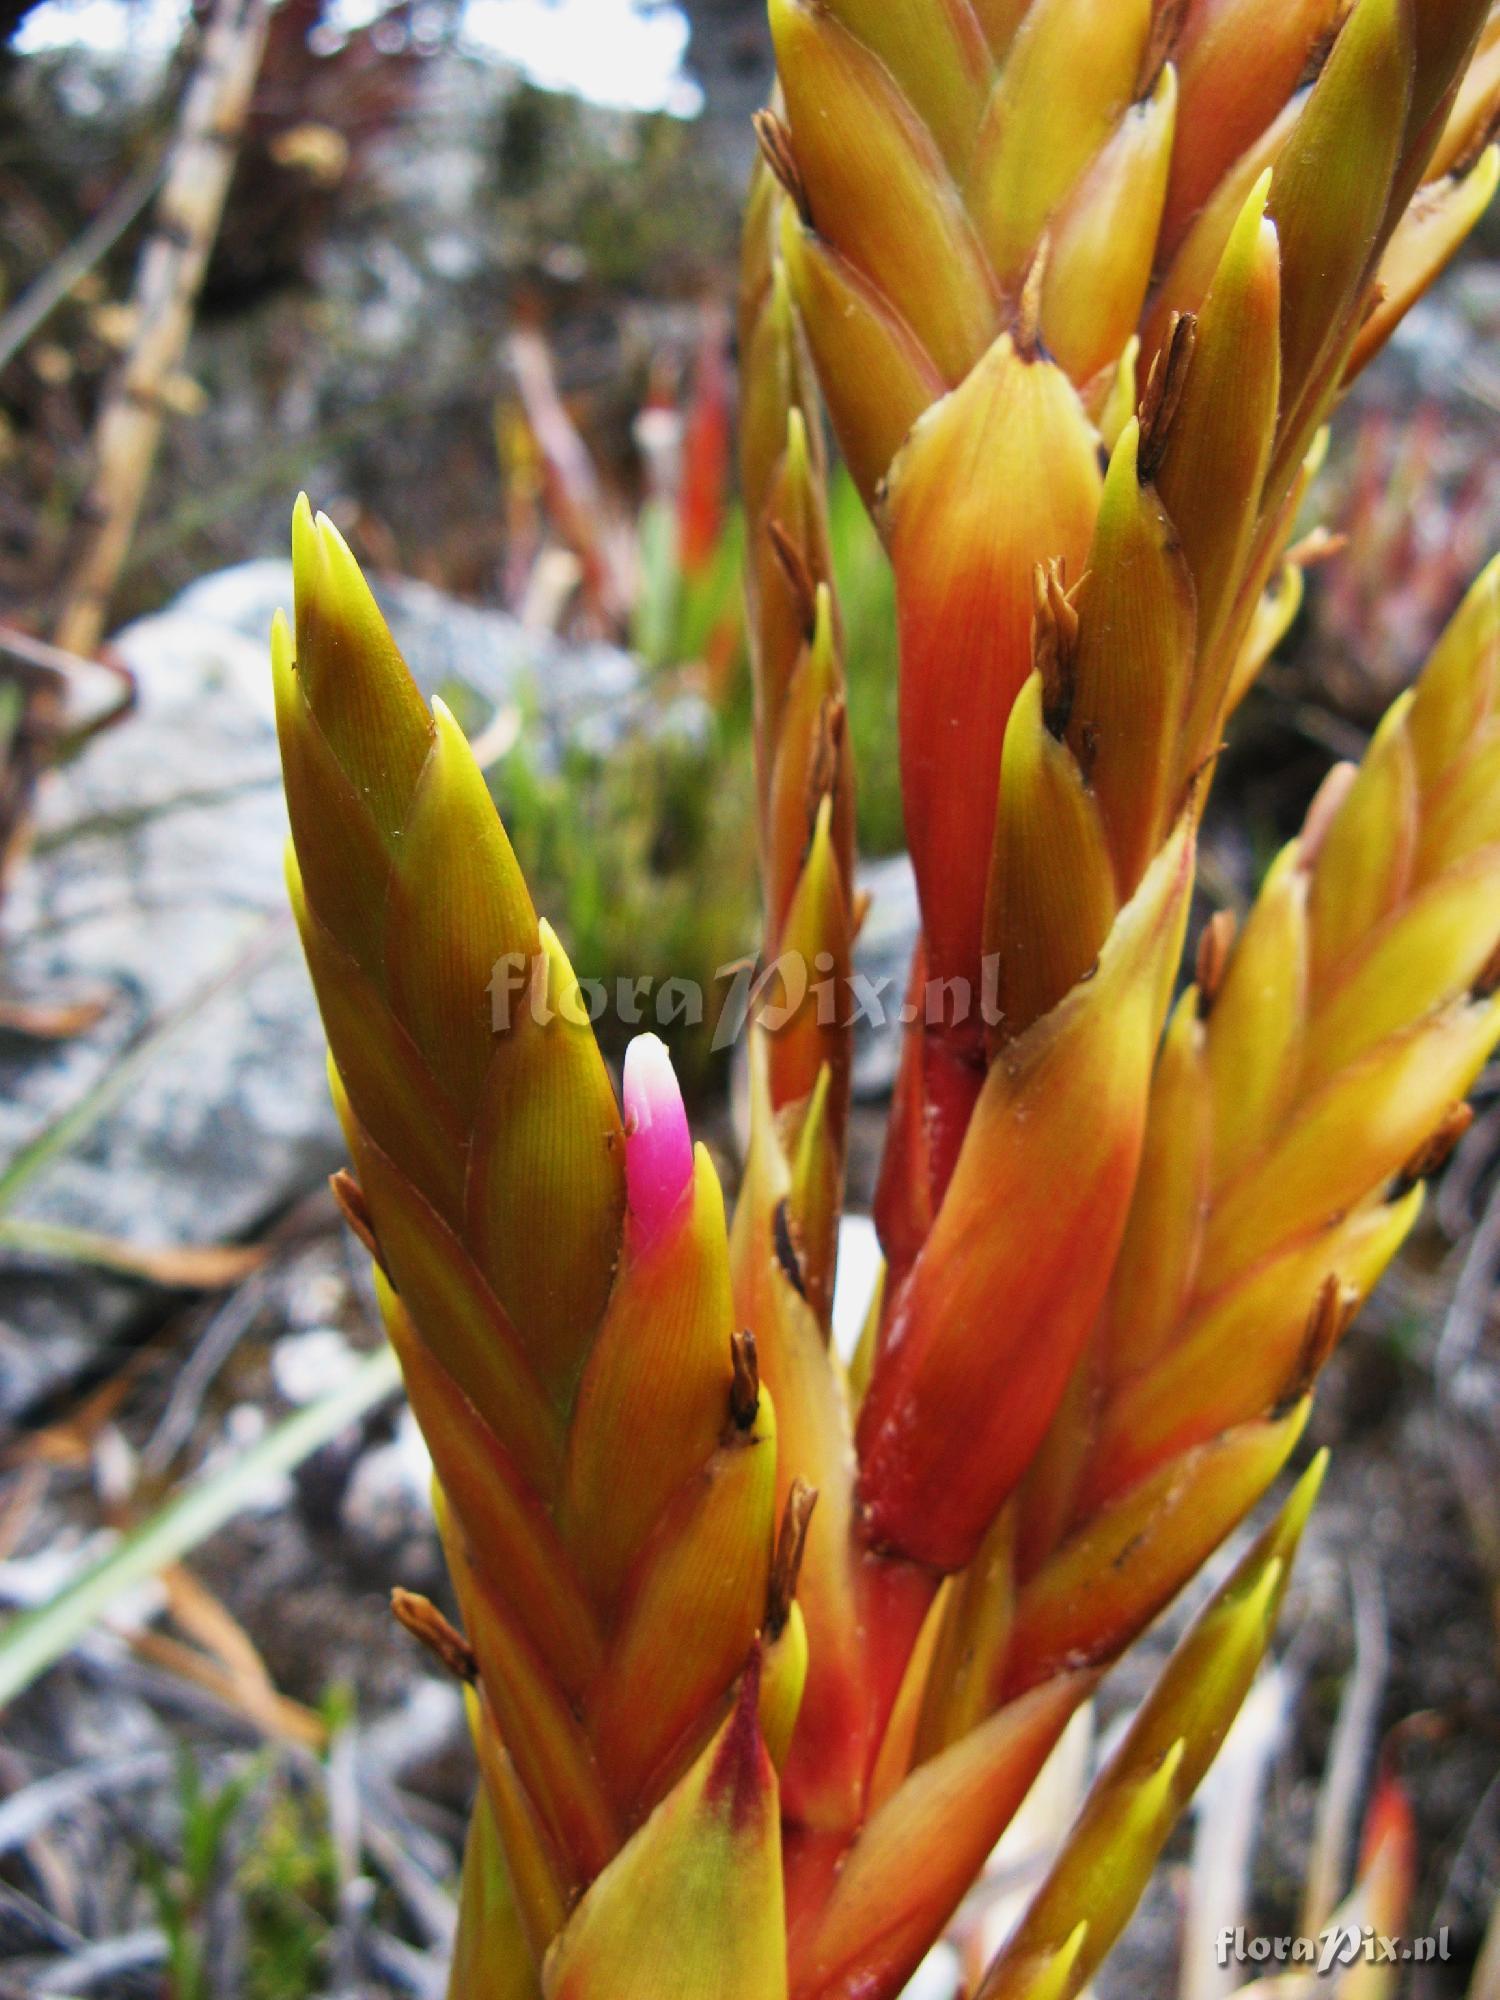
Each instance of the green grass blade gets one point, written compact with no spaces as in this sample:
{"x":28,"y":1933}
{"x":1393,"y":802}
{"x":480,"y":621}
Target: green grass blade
{"x":35,"y":1639}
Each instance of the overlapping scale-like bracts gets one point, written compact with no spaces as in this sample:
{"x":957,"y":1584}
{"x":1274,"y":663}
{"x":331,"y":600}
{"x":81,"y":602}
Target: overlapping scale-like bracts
{"x":787,"y":1218}
{"x":1087,"y":526}
{"x":804,"y":772}
{"x":762,"y":1657}
{"x":1081,"y":284}
{"x":556,"y":1282}
{"x":996,"y":216}
{"x":1308,"y":1080}
{"x":1106,"y":1860}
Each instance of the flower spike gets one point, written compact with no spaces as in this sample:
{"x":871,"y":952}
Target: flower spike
{"x":760,"y":1652}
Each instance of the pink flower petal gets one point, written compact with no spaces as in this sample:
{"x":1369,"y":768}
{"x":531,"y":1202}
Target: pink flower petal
{"x":658,"y":1145}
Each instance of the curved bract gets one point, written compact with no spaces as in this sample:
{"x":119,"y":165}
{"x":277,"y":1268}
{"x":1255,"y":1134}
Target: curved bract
{"x":765,"y":1653}
{"x":1005,"y":226}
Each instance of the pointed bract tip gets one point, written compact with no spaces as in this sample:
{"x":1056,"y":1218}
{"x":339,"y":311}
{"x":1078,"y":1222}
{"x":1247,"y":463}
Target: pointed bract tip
{"x":658,"y":1145}
{"x":1072,"y":1949}
{"x":323,"y":564}
{"x":798,"y":453}
{"x":291,"y":874}
{"x":305,"y":543}
{"x":1286,"y":1529}
{"x":1259,"y":1607}
{"x":822,"y":622}
{"x":1306,"y":1491}
{"x":450,"y":734}
{"x":341,"y":565}
{"x":281,"y":639}
{"x":1166,"y":1771}
{"x":823,"y":823}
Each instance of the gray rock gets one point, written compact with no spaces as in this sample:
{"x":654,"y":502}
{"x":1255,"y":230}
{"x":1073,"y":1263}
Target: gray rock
{"x":485,"y":655}
{"x":157,"y":881}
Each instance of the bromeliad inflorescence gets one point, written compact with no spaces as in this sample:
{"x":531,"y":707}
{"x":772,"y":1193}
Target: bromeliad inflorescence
{"x":764,"y":1653}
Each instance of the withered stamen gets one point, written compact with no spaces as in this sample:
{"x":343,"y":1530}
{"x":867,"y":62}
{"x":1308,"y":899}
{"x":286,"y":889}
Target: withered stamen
{"x":1434,"y":1152}
{"x":1166,"y":26}
{"x":426,"y":1623}
{"x":1088,"y":751}
{"x":1319,"y":545}
{"x":1164,"y":388}
{"x":822,"y":774}
{"x":1317,"y":55}
{"x":1488,"y":980}
{"x":1054,"y":644}
{"x":1332,"y":1312}
{"x":1027,"y":329}
{"x":798,"y":573}
{"x":776,"y":144}
{"x":350,"y":1197}
{"x":1214,"y":946}
{"x":785,"y":1246}
{"x":744,"y":1388}
{"x":786,"y":1566}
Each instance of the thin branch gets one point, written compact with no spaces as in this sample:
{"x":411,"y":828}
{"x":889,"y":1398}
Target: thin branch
{"x":1349,"y":1756}
{"x":168,"y":280}
{"x":40,"y":300}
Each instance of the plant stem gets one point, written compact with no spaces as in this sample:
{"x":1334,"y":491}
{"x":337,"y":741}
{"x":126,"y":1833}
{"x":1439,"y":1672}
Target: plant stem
{"x":168,"y":280}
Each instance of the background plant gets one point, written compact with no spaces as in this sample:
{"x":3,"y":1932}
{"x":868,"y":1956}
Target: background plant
{"x":638,"y":832}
